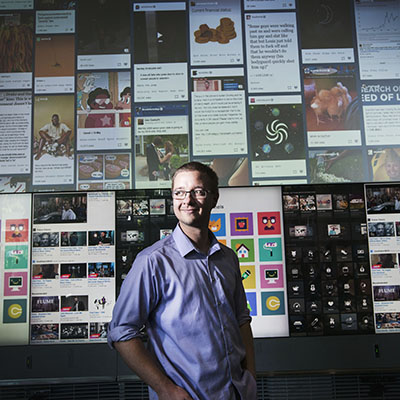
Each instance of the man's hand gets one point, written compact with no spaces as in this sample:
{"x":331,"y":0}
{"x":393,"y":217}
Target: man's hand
{"x":174,"y":392}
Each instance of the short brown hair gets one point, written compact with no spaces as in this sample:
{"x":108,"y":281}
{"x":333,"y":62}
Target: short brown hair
{"x":203,"y":169}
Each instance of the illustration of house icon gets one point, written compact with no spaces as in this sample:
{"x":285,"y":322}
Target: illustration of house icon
{"x":242,"y":251}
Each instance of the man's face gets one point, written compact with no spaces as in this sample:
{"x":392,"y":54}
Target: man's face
{"x":55,"y":120}
{"x":380,"y":230}
{"x":190,"y":211}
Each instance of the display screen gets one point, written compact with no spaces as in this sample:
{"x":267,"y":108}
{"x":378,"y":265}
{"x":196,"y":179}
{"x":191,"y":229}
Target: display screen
{"x":107,"y":95}
{"x":73,"y":267}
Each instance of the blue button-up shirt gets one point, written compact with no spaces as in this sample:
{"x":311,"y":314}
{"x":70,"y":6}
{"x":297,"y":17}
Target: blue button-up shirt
{"x":192,"y":305}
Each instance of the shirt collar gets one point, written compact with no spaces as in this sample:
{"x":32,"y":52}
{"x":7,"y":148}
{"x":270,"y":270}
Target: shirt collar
{"x":185,"y":245}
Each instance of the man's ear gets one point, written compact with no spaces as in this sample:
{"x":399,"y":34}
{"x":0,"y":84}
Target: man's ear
{"x":216,"y":197}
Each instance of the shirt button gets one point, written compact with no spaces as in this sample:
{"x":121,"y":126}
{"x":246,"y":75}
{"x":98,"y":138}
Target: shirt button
{"x":218,"y":303}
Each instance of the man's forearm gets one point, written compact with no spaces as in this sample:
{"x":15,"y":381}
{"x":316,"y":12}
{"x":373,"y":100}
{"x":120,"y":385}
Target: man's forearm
{"x":247,"y":338}
{"x":139,"y":361}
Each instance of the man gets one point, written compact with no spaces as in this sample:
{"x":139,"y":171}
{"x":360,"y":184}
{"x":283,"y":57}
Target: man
{"x":186,"y":289}
{"x":153,"y":159}
{"x":54,"y":132}
{"x":67,"y":213}
{"x":380,"y":229}
{"x":78,"y":305}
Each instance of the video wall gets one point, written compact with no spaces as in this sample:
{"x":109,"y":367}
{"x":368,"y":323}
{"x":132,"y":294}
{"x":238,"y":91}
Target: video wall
{"x":105,"y":95}
{"x":315,"y":260}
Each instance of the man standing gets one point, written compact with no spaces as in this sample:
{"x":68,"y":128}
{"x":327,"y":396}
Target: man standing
{"x":67,"y":212}
{"x":153,"y":159}
{"x":54,"y":132}
{"x":186,"y":290}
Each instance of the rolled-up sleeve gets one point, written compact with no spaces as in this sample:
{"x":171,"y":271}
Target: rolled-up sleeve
{"x":137,"y":298}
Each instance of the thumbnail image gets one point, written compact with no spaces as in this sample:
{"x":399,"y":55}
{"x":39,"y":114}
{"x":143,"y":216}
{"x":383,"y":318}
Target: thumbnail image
{"x":46,"y":239}
{"x":54,"y":55}
{"x":74,"y":303}
{"x":124,"y":207}
{"x":159,"y":157}
{"x":386,"y":293}
{"x":324,"y":202}
{"x":277,"y":132}
{"x":90,"y":166}
{"x":307,"y":202}
{"x":98,"y":330}
{"x":222,"y":34}
{"x":99,"y":238}
{"x":45,"y":271}
{"x":336,"y":166}
{"x":53,"y":128}
{"x":16,"y":31}
{"x":331,"y":98}
{"x":101,"y":270}
{"x":73,"y":270}
{"x":160,"y":36}
{"x":385,"y":164}
{"x":103,"y":27}
{"x":73,"y":239}
{"x":380,"y":229}
{"x":45,"y":304}
{"x":59,"y":208}
{"x":384,"y":199}
{"x":379,"y":261}
{"x":44,"y":332}
{"x":326,"y":24}
{"x":291,"y":202}
{"x":231,"y":171}
{"x":74,"y":331}
{"x":104,"y":100}
{"x":387,"y":321}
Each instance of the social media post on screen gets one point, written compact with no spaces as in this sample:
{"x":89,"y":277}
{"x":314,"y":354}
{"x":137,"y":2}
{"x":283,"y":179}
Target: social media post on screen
{"x":160,"y":82}
{"x":378,"y":29}
{"x":269,"y":5}
{"x":272,"y":52}
{"x":218,"y":112}
{"x":159,"y":33}
{"x":231,"y":171}
{"x":16,"y":66}
{"x":15,"y":132}
{"x":277,"y":136}
{"x":332,"y":105}
{"x":54,"y":64}
{"x":16,"y":4}
{"x":326,"y":31}
{"x":215,"y":32}
{"x":381,"y":111}
{"x":104,"y":171}
{"x":104,"y":35}
{"x":55,"y":21}
{"x":336,"y":165}
{"x":157,"y":158}
{"x":53,"y":140}
{"x":104,"y":110}
{"x":384,"y":163}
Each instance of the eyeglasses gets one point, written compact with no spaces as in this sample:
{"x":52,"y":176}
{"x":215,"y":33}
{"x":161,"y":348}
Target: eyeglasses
{"x":198,"y":194}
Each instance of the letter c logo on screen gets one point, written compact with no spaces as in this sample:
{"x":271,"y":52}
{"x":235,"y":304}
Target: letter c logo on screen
{"x":14,"y":311}
{"x":273,"y":303}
